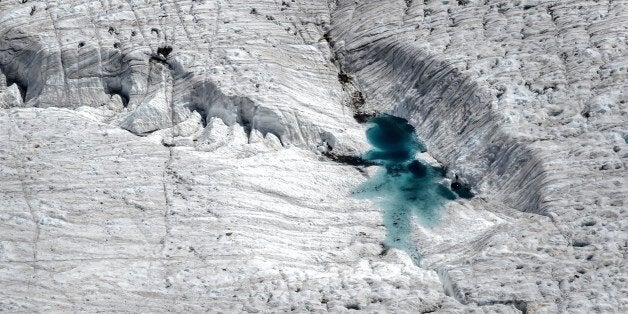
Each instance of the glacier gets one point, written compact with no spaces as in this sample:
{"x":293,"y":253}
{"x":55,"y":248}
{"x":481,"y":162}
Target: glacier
{"x":214,"y":155}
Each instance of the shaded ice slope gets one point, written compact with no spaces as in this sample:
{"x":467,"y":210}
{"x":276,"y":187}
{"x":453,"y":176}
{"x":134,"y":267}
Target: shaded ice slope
{"x":240,"y":61}
{"x":525,"y":101}
{"x":95,"y":218}
{"x":230,"y":208}
{"x":219,"y":198}
{"x":185,"y":230}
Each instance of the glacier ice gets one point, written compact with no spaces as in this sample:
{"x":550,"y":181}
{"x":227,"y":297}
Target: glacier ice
{"x":231,"y":190}
{"x":405,"y":187}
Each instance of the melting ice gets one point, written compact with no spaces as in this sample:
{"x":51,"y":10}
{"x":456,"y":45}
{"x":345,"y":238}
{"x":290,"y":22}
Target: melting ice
{"x":404,"y":187}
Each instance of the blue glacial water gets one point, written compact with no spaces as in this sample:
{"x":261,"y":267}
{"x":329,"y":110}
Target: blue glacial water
{"x":404,"y":188}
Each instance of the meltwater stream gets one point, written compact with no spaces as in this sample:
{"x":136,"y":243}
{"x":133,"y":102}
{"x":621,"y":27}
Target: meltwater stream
{"x":404,"y":187}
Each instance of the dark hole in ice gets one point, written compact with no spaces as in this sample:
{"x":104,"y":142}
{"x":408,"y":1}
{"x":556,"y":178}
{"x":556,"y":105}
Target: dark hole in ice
{"x":116,"y":89}
{"x":327,"y":37}
{"x":164,"y":51}
{"x":462,"y":190}
{"x":405,"y":187}
{"x":23,"y":88}
{"x":202,"y":111}
{"x":362,"y":117}
{"x":353,"y":306}
{"x":344,"y":78}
